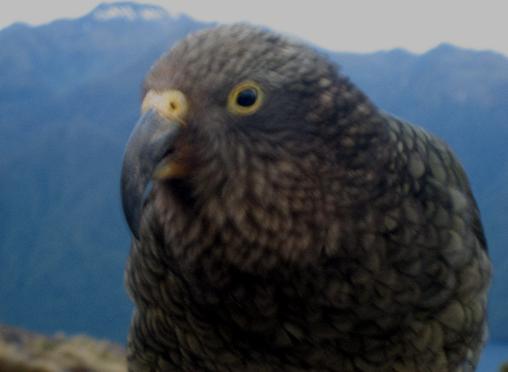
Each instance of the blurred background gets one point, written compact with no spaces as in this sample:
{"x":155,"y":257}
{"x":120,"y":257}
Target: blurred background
{"x":70,"y":78}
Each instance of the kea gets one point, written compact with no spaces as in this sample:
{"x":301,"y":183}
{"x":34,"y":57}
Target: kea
{"x":282,"y":222}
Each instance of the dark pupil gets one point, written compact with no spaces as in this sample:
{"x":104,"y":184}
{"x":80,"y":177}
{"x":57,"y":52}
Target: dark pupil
{"x":246,"y":97}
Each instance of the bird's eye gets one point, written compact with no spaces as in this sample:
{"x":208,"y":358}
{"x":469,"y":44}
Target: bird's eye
{"x":245,"y":98}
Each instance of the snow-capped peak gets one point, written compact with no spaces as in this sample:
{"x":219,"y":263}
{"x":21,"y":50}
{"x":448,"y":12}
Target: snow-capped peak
{"x":128,"y":12}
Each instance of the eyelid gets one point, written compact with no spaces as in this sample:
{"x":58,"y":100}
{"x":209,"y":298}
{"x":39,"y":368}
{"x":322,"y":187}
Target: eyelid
{"x":235,"y":108}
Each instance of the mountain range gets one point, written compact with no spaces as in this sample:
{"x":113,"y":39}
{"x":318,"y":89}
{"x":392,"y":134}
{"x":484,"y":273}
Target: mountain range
{"x":69,"y":97}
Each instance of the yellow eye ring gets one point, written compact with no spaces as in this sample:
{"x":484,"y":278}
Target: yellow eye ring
{"x":245,"y":98}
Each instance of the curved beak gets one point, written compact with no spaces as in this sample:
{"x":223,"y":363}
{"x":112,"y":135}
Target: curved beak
{"x":152,"y":139}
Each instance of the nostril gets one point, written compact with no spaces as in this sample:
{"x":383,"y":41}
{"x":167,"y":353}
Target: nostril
{"x":171,"y":104}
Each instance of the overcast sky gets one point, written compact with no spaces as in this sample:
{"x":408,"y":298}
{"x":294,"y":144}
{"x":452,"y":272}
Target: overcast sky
{"x":355,"y":25}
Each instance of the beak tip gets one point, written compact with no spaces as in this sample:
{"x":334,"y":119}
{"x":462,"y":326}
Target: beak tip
{"x":131,"y":207}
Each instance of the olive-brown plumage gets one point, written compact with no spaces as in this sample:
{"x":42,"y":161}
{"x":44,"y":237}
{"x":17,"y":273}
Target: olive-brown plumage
{"x":292,"y":225}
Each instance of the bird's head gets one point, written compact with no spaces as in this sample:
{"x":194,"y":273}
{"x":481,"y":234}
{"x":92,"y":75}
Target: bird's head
{"x":238,"y":113}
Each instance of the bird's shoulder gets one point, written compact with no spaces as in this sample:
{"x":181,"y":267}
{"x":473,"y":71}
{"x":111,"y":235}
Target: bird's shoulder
{"x":431,"y":175}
